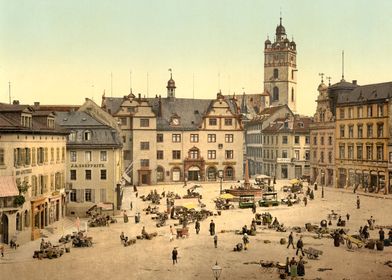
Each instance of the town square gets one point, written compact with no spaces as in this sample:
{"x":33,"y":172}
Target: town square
{"x":202,"y":139}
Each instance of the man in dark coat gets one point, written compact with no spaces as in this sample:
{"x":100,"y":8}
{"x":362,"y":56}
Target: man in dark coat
{"x":301,"y":267}
{"x":212,"y":228}
{"x":174,"y":255}
{"x":300,"y":246}
{"x":291,"y":240}
{"x":197,"y":226}
{"x":382,"y":234}
{"x":358,"y":202}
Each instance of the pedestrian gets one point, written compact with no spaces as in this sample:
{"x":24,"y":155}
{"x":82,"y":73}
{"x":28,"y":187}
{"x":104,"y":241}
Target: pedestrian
{"x":245,"y":239}
{"x":287,"y":267}
{"x":125,"y":216}
{"x":382,"y":234}
{"x":291,"y":240}
{"x":300,"y":246}
{"x":172,"y":234}
{"x":174,"y":255}
{"x":197,"y":226}
{"x":136,"y":194}
{"x":254,"y":208}
{"x":315,"y":186}
{"x":348,"y":217}
{"x":390,"y":235}
{"x":301,"y":267}
{"x":358,"y":202}
{"x":135,"y":188}
{"x":293,"y":268}
{"x":212,"y":228}
{"x":305,"y":201}
{"x":2,"y":250}
{"x":311,"y":195}
{"x":371,"y":222}
{"x":131,"y":205}
{"x":216,"y":241}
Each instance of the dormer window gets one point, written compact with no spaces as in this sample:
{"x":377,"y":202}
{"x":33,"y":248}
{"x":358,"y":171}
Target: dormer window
{"x":26,"y":120}
{"x":72,"y":136}
{"x":50,"y":123}
{"x":87,"y":135}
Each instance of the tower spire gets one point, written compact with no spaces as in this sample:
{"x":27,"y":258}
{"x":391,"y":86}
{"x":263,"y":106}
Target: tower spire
{"x":322,"y":77}
{"x":343,"y":65}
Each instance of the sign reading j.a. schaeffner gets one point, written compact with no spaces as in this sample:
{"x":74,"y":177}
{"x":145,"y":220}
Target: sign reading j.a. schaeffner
{"x":87,"y":165}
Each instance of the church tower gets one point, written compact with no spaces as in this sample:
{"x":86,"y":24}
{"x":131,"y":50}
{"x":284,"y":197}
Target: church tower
{"x":171,"y":87}
{"x":280,"y":69}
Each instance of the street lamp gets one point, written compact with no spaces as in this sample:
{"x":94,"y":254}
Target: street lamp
{"x":220,"y":175}
{"x":216,"y":270}
{"x":323,"y":183}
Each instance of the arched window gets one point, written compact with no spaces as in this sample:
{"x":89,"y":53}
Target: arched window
{"x":160,"y":174}
{"x":229,"y":173}
{"x":276,"y":73}
{"x":26,"y":219}
{"x":18,"y":222}
{"x":275,"y":94}
{"x":211,"y":173}
{"x":292,"y":94}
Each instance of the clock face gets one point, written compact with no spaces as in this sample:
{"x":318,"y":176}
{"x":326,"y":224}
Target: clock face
{"x":176,"y":121}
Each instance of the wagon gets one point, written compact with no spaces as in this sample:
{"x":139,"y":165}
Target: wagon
{"x":353,"y":239}
{"x":267,"y":266}
{"x":182,"y":232}
{"x":312,"y":253}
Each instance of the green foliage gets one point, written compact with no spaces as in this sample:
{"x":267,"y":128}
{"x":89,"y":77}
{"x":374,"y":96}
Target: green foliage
{"x":19,"y":200}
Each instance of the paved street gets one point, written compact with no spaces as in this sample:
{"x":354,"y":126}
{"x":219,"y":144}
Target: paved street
{"x":152,"y":259}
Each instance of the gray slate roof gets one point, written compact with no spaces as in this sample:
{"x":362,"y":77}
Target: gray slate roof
{"x":102,"y":136}
{"x":367,"y":93}
{"x":190,"y":111}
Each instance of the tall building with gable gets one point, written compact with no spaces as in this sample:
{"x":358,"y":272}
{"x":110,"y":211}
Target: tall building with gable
{"x":173,"y":139}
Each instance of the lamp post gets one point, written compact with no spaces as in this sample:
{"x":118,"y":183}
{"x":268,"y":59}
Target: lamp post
{"x":323,"y":183}
{"x":216,"y":270}
{"x":220,"y":176}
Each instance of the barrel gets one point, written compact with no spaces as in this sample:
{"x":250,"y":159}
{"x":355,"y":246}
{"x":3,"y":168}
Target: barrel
{"x":380,"y":245}
{"x":370,"y":245}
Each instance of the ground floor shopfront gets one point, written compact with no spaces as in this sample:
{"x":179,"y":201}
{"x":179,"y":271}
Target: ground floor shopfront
{"x":196,"y":171}
{"x":369,"y":179}
{"x":25,"y":223}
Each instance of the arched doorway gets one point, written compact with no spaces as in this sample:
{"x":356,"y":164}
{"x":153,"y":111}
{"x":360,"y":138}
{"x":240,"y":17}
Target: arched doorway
{"x":194,"y":173}
{"x":229,"y":173}
{"x":160,"y":174}
{"x":211,"y":173}
{"x":4,"y":229}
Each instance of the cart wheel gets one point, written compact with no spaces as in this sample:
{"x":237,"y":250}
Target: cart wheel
{"x":349,"y":244}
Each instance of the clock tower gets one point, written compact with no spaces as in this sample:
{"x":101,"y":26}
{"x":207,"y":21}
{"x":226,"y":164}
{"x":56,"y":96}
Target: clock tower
{"x":280,"y":69}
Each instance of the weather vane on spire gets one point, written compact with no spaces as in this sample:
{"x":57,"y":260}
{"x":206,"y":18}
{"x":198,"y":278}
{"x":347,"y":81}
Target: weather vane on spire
{"x":170,"y":70}
{"x":329,"y":80}
{"x":322,"y":77}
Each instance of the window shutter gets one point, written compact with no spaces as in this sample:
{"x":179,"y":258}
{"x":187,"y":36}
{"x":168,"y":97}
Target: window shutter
{"x":93,"y":195}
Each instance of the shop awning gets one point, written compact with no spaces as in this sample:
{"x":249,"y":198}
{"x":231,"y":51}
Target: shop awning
{"x":8,"y":186}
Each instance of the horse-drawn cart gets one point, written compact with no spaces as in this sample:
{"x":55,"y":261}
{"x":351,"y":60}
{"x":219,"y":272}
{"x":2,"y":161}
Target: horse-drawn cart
{"x":312,"y":253}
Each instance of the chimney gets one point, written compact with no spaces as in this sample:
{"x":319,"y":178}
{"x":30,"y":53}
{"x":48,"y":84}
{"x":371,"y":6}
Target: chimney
{"x":36,"y":104}
{"x":355,"y":82}
{"x":15,"y":102}
{"x":159,"y":106}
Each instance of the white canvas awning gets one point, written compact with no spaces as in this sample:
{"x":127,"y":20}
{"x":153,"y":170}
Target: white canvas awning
{"x":8,"y":186}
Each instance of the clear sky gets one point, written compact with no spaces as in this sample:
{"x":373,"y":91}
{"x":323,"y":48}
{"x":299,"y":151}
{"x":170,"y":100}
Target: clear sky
{"x":58,"y":52}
